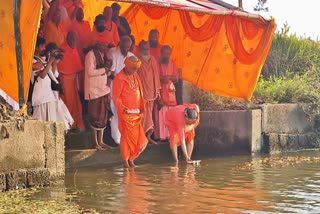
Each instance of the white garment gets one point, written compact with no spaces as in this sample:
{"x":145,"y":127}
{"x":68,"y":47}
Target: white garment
{"x":117,"y":58}
{"x":115,"y":133}
{"x":42,"y":92}
{"x":46,"y":111}
{"x":9,"y":100}
{"x":46,"y":103}
{"x":63,"y":113}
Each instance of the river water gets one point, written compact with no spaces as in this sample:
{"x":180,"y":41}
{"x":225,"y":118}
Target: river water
{"x":238,"y":184}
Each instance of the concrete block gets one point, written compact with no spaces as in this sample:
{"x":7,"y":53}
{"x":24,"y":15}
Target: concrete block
{"x":16,"y":180}
{"x":3,"y":185}
{"x":23,"y":149}
{"x":38,"y":177}
{"x":187,"y":87}
{"x":284,"y":118}
{"x":228,"y":131}
{"x":271,"y":141}
{"x":256,"y":130}
{"x":283,"y":140}
{"x":54,"y":149}
{"x":293,"y":142}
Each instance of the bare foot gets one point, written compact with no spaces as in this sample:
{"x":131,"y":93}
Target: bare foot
{"x":131,"y":164}
{"x":126,"y":164}
{"x":103,"y":145}
{"x":98,"y":147}
{"x":189,"y":161}
{"x":153,"y":142}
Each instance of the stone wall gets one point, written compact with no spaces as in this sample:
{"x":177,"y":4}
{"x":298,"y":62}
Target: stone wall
{"x":223,"y":132}
{"x":285,"y":127}
{"x":271,"y":129}
{"x":31,"y":154}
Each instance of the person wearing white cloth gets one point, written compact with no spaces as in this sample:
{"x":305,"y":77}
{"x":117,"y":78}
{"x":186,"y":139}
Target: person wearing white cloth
{"x":117,"y":55}
{"x":44,"y":101}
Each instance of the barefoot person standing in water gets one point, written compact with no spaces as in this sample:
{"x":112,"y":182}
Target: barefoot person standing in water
{"x":181,"y":122}
{"x":127,"y":95}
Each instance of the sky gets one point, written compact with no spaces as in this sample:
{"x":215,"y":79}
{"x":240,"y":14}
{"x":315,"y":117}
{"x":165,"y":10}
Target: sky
{"x":302,"y":18}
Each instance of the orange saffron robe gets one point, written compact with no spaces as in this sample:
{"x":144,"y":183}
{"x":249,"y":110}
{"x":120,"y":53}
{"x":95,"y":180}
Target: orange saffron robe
{"x":149,"y":75}
{"x":176,"y":124}
{"x":84,"y":32}
{"x":110,"y":35}
{"x":68,"y":68}
{"x":56,"y":33}
{"x":127,"y":93}
{"x":156,"y":52}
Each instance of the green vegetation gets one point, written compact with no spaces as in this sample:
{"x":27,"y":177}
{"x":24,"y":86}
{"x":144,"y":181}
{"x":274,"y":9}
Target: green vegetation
{"x":290,"y":75}
{"x":21,"y":201}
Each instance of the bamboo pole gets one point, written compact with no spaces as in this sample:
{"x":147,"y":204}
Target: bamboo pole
{"x":17,"y":34}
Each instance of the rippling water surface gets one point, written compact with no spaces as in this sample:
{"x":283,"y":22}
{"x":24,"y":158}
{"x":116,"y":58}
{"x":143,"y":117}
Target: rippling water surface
{"x":216,"y":186}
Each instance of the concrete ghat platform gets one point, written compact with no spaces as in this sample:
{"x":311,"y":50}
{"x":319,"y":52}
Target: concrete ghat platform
{"x":92,"y":157}
{"x":153,"y":153}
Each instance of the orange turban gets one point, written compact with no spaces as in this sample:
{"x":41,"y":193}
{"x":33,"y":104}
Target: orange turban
{"x":131,"y":64}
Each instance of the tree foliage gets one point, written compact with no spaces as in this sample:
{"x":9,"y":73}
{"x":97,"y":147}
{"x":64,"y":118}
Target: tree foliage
{"x":261,"y":6}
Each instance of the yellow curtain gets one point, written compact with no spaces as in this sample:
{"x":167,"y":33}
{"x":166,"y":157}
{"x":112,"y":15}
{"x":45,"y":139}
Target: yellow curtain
{"x":30,"y":11}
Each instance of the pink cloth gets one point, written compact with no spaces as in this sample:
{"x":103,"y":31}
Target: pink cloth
{"x":176,"y":124}
{"x":163,"y":130}
{"x":164,"y":70}
{"x":95,"y":82}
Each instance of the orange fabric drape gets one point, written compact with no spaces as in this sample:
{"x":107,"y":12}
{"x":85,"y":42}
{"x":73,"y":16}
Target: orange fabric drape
{"x":30,"y":11}
{"x":207,"y":31}
{"x":219,"y":53}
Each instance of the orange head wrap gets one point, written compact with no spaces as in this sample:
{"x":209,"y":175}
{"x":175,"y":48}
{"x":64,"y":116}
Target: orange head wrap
{"x":131,"y":64}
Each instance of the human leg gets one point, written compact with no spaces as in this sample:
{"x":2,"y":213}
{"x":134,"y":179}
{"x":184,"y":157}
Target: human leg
{"x":150,"y":140}
{"x":174,"y":151}
{"x":100,"y":139}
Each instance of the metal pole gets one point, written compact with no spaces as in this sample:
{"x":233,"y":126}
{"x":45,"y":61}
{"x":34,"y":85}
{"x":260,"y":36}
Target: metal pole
{"x":240,"y":4}
{"x":17,"y":34}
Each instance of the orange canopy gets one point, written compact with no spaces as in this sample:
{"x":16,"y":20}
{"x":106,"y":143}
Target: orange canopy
{"x":218,"y":49}
{"x":30,"y":11}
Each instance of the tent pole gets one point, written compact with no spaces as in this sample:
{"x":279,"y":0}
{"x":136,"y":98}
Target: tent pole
{"x":240,"y":4}
{"x":17,"y":34}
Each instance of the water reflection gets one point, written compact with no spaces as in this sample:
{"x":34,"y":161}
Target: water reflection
{"x":213,"y":187}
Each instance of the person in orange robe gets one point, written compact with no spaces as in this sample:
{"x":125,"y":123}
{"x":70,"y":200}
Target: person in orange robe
{"x":57,"y":23}
{"x":127,"y":94}
{"x":155,"y":51}
{"x":105,"y":29}
{"x":155,"y":46}
{"x":71,"y":6}
{"x":69,"y":66}
{"x":181,"y":121}
{"x":149,"y":75}
{"x":82,"y":28}
{"x":169,"y":74}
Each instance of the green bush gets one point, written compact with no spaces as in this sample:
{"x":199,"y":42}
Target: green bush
{"x":290,"y":54}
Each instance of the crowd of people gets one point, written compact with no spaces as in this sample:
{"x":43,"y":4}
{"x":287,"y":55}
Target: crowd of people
{"x":103,"y":73}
